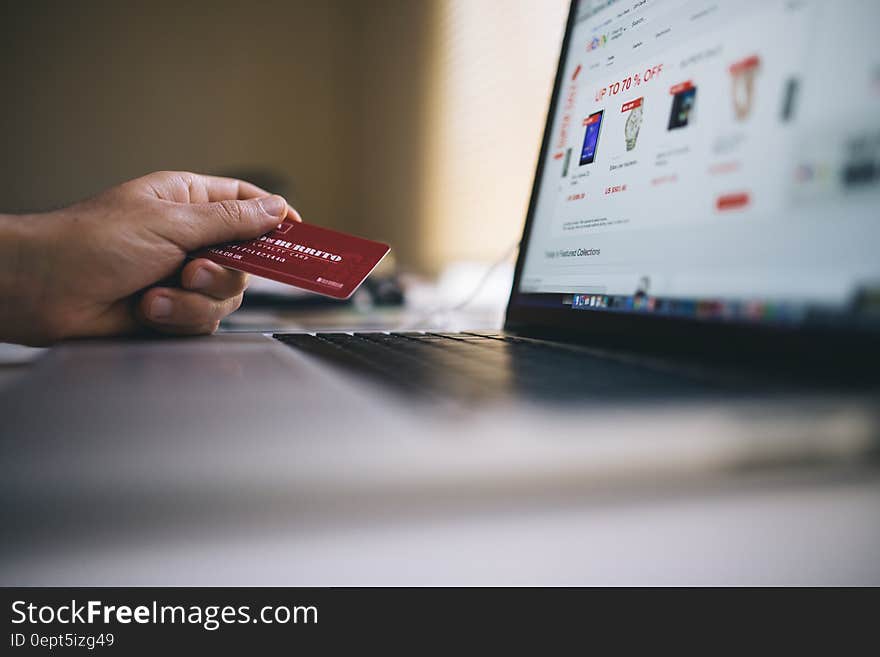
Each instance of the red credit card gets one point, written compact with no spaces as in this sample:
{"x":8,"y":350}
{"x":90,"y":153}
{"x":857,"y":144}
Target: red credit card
{"x":316,"y":259}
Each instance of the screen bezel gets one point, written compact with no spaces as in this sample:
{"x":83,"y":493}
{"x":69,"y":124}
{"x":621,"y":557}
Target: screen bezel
{"x":663,"y":334}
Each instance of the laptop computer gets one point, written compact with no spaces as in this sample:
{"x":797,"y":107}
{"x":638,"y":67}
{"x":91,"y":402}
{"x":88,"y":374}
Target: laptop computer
{"x":704,"y":211}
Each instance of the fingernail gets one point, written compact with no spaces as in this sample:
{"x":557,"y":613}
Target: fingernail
{"x":160,"y":308}
{"x":201,"y":279}
{"x":274,"y":206}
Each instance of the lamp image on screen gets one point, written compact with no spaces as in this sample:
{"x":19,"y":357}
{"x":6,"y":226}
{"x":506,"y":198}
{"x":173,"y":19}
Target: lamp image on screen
{"x":593,"y":124}
{"x":742,"y":75}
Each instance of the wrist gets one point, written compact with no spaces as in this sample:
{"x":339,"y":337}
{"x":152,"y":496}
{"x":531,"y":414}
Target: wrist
{"x":24,"y":242}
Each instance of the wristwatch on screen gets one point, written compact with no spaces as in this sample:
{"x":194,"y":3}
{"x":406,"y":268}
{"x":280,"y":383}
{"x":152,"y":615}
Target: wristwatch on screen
{"x":631,"y":130}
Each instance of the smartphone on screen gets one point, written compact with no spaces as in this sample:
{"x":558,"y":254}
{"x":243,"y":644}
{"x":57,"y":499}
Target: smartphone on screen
{"x":591,"y":138}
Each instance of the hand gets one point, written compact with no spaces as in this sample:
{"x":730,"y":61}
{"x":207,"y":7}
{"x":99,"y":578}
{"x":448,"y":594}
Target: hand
{"x":105,"y":266}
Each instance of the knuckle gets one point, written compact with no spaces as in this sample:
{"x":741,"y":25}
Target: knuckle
{"x":164,"y":174}
{"x":230,"y":211}
{"x":200,"y":312}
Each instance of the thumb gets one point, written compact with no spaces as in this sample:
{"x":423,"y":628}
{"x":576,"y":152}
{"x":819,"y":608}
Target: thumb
{"x":206,"y":224}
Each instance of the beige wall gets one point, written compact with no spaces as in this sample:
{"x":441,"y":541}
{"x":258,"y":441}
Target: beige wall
{"x":98,"y":92}
{"x":491,"y":73}
{"x":395,"y":41}
{"x":355,"y":102}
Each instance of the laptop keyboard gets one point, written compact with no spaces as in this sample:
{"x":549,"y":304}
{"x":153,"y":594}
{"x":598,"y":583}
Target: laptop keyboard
{"x":479,"y":366}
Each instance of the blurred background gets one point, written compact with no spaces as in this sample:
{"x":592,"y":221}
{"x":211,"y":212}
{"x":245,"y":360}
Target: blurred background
{"x":415,"y":122}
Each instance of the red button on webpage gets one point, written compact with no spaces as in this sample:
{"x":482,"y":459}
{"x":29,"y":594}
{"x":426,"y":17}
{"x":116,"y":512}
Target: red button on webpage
{"x":745,"y":64}
{"x":732,"y":201}
{"x":680,"y":87}
{"x":632,"y":104}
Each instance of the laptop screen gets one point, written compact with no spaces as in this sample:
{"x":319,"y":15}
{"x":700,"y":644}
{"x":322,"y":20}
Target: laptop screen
{"x":712,"y":160}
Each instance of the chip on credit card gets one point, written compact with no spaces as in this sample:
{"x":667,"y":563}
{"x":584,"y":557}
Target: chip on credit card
{"x":309,"y":257}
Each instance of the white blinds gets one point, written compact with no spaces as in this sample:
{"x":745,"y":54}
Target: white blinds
{"x":491,"y":77}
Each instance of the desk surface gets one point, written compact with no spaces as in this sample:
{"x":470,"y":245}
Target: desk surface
{"x":809,"y":523}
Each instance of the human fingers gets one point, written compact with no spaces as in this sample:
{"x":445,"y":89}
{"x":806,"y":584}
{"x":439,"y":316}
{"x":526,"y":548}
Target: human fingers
{"x":209,"y":278}
{"x":172,"y":310}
